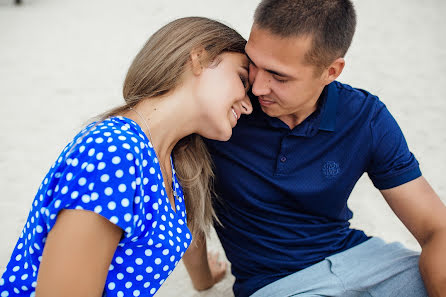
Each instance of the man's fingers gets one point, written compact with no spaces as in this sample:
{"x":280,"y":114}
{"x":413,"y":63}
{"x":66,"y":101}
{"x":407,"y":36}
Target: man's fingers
{"x":213,"y":256}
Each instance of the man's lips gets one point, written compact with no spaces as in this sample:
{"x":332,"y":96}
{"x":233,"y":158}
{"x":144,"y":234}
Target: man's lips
{"x":265,"y":102}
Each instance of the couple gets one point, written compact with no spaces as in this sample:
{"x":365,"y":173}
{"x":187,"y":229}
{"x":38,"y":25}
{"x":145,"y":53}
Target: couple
{"x":120,"y":206}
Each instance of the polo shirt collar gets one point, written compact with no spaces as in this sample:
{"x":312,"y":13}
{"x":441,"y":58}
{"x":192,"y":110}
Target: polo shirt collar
{"x":329,"y":108}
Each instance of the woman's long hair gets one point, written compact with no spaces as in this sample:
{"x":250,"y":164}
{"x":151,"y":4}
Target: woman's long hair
{"x":158,"y":69}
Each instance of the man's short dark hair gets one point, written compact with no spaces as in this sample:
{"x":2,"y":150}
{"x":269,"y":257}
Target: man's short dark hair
{"x":331,"y":24}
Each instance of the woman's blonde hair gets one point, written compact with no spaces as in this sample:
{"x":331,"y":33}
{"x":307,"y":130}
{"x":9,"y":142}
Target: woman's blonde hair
{"x":156,"y":70}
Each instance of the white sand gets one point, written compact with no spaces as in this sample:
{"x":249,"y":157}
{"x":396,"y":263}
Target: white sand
{"x":64,"y":61}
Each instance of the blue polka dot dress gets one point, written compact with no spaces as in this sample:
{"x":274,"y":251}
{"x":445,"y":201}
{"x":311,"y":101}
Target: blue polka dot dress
{"x":110,"y":169}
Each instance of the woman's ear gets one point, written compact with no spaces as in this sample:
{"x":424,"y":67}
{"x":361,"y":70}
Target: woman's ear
{"x":197,"y":58}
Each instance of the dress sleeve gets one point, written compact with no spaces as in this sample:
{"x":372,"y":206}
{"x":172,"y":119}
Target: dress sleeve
{"x":99,"y":174}
{"x":392,"y":164}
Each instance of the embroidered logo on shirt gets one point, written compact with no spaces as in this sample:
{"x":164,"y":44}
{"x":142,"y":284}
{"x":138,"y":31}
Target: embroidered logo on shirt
{"x":331,"y":169}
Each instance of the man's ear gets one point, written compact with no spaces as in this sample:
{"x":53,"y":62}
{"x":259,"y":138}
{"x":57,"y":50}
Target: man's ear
{"x":334,"y":70}
{"x":197,"y":56}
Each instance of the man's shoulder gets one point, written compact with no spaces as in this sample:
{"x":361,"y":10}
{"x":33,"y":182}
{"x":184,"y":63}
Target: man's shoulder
{"x":354,"y":101}
{"x":354,"y":93}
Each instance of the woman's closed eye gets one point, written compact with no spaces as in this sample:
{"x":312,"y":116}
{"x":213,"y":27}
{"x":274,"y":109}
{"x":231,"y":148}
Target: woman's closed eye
{"x":245,"y":81}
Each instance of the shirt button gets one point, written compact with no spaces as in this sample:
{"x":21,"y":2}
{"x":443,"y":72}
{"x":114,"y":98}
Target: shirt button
{"x":283,"y":159}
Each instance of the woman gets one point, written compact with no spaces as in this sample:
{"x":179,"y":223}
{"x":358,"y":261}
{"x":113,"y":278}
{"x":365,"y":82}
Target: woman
{"x":110,"y":216}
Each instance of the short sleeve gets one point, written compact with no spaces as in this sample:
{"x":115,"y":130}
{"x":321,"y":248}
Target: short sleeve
{"x":98,"y":174}
{"x":391,"y":164}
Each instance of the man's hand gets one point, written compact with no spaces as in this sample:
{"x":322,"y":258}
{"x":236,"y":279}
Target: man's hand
{"x":204,"y":269}
{"x":217,"y":267}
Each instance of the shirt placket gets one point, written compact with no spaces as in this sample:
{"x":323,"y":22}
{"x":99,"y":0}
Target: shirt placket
{"x":282,"y":159}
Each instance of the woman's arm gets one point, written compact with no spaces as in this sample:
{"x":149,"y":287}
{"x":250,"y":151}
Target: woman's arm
{"x":204,"y":268}
{"x":77,"y":254}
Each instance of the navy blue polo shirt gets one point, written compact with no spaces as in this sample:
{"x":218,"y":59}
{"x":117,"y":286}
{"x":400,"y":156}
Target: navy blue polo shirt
{"x":283,"y":192}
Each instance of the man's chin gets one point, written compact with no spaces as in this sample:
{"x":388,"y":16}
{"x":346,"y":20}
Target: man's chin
{"x":268,"y":111}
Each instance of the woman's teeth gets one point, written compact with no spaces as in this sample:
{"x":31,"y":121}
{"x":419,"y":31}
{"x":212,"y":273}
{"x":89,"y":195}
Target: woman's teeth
{"x":234,"y":113}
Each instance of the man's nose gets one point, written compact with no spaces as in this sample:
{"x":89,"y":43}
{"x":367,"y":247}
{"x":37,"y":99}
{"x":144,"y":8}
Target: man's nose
{"x":260,"y":85}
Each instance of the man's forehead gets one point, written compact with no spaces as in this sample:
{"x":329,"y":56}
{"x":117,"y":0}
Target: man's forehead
{"x":260,"y":35}
{"x":270,"y":50}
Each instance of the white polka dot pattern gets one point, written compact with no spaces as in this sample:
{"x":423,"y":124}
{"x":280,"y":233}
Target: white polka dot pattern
{"x":110,"y":169}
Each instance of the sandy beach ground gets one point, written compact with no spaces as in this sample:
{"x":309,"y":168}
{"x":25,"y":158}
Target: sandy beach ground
{"x":63,"y":62}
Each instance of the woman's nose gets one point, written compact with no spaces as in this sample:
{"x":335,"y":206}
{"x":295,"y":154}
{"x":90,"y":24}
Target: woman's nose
{"x":246,"y":106}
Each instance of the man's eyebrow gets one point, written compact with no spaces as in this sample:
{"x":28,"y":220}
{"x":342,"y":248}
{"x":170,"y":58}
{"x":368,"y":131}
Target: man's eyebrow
{"x":269,"y":70}
{"x":249,"y":59}
{"x":276,"y":73}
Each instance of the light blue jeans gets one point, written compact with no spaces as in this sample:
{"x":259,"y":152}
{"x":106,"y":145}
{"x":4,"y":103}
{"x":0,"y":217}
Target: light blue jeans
{"x":373,"y":268}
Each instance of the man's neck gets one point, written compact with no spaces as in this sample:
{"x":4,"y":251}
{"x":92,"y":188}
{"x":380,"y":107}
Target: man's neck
{"x":293,"y":120}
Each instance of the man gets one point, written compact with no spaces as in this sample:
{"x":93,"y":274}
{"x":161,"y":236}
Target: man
{"x":286,"y":174}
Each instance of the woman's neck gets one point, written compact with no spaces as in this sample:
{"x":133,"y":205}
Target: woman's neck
{"x":165,"y":120}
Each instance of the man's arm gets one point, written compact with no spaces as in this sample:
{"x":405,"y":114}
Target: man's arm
{"x":204,"y":269}
{"x":424,"y":214}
